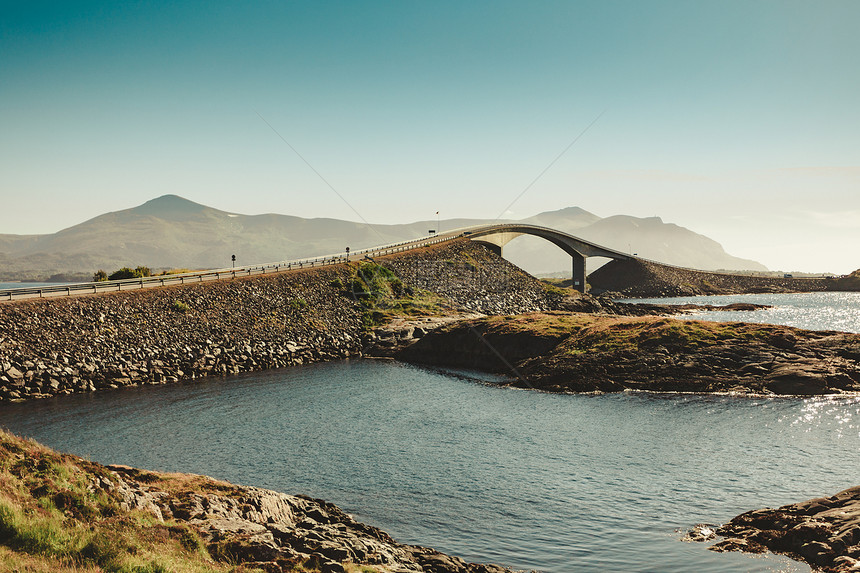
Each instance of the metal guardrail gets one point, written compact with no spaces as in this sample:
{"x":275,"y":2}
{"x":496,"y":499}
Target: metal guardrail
{"x":219,"y":274}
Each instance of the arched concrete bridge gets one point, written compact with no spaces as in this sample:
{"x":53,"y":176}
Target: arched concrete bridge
{"x":497,"y":236}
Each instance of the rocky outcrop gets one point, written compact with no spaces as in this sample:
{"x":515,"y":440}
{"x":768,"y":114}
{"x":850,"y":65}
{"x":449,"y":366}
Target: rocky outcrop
{"x":387,"y":340}
{"x":824,"y":532}
{"x":565,"y":352}
{"x":639,"y":278}
{"x":273,"y":531}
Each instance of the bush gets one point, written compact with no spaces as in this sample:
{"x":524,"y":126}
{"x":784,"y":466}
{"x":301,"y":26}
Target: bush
{"x":123,"y":273}
{"x":299,"y":303}
{"x":99,"y":276}
{"x":180,"y":306}
{"x":127,"y":273}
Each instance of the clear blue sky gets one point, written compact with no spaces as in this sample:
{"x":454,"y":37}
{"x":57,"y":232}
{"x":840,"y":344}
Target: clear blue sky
{"x":737,"y":119}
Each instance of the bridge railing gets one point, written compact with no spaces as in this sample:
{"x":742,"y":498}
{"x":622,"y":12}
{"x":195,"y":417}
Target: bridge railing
{"x":219,"y":274}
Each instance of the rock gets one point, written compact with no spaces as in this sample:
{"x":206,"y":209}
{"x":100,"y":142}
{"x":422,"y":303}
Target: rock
{"x":821,"y":531}
{"x":14,"y":374}
{"x":273,"y":531}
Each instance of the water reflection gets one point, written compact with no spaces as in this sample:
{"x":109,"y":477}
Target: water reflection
{"x":814,"y":311}
{"x":533,"y":480}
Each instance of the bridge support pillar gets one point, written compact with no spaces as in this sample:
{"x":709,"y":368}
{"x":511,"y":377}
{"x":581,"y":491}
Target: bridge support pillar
{"x":492,"y":246}
{"x":578,"y":274}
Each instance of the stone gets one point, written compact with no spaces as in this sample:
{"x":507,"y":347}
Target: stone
{"x":14,"y":374}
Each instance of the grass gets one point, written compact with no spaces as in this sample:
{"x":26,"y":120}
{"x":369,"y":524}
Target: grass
{"x":383,"y":296}
{"x":52,"y":519}
{"x":585,"y":333}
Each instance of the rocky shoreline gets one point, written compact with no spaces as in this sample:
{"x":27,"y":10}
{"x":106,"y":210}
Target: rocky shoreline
{"x":569,"y":352}
{"x":272,"y":531}
{"x":823,"y":532}
{"x":59,"y":512}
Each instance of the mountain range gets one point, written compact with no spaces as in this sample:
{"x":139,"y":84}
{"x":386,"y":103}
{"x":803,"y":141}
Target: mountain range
{"x":173,"y":232}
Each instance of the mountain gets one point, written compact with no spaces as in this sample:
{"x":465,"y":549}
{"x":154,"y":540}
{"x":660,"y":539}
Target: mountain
{"x":650,"y":238}
{"x":173,"y":232}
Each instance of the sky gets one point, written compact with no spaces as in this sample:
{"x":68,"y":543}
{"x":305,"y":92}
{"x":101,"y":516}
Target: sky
{"x":739,"y":120}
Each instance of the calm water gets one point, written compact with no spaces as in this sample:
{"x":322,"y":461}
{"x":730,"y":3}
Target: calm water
{"x":815,"y":311}
{"x":4,"y":286}
{"x":557,"y":483}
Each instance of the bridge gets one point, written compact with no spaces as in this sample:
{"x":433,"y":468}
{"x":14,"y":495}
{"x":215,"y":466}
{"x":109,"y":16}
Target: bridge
{"x":495,"y":236}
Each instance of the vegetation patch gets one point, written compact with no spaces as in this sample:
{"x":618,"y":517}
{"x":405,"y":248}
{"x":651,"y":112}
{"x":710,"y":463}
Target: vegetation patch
{"x":383,"y":296}
{"x":53,"y":519}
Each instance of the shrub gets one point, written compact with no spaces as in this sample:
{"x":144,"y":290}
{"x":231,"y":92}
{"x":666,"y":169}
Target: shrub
{"x":298,"y":303}
{"x":180,"y":306}
{"x":127,"y":273}
{"x":99,"y":276}
{"x":123,"y":273}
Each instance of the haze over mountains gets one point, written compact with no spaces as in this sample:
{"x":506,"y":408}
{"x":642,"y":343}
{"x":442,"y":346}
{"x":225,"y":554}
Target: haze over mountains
{"x":173,"y":232}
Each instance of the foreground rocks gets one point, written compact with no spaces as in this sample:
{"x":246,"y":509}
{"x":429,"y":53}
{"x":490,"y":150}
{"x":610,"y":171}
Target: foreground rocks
{"x":59,"y":512}
{"x":273,"y":531}
{"x":568,"y":352}
{"x":824,"y":532}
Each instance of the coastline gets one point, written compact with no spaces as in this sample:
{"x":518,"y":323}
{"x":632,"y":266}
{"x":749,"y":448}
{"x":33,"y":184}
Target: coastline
{"x":823,"y":532}
{"x":59,"y":512}
{"x":568,"y":352}
{"x":126,"y":339}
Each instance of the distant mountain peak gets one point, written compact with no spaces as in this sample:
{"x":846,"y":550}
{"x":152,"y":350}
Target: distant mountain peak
{"x":170,"y":206}
{"x":171,"y":203}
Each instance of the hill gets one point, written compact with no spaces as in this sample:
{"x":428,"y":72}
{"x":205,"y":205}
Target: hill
{"x":173,"y":232}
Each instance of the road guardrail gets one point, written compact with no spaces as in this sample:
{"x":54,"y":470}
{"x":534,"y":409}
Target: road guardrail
{"x":218,"y":274}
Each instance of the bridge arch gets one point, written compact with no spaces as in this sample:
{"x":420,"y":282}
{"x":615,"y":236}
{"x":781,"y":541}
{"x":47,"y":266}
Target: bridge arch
{"x":497,"y":236}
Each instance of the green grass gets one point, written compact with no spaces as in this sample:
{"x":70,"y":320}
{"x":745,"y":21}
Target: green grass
{"x":585,"y":333}
{"x":383,"y":296}
{"x":298,"y":304}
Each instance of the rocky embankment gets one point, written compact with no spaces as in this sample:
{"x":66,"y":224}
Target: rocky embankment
{"x":81,"y":344}
{"x":824,"y":532}
{"x":568,"y":352}
{"x":62,"y":513}
{"x":638,"y":278}
{"x":155,"y":336}
{"x":473,"y":279}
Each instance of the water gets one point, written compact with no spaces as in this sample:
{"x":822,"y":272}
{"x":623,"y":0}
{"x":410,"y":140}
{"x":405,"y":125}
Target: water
{"x":4,"y":286}
{"x":813,"y":311}
{"x":556,"y":483}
